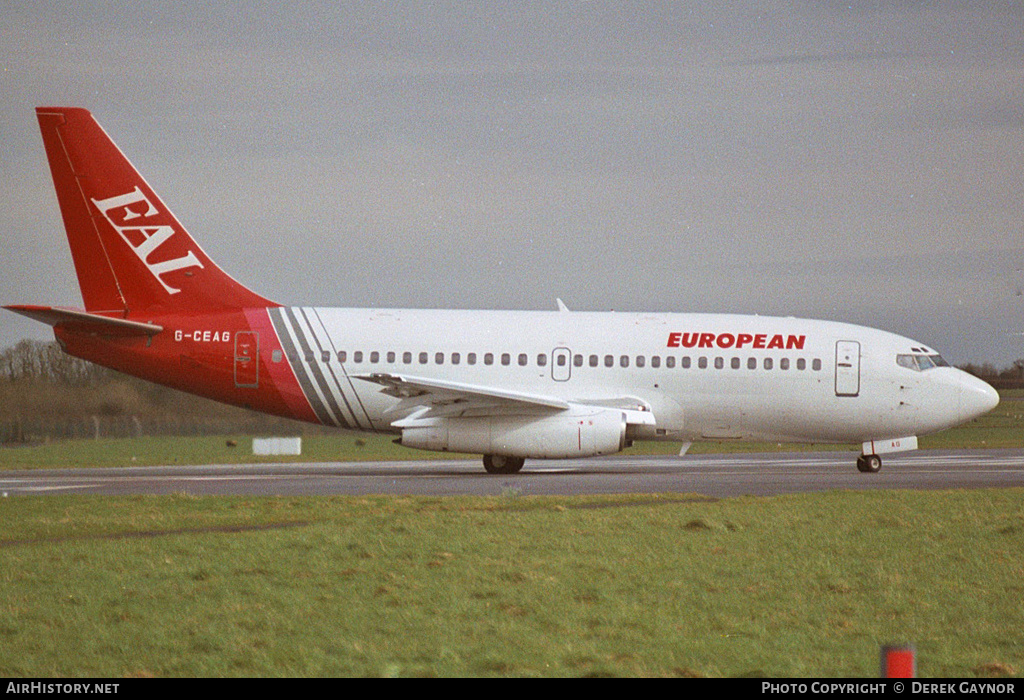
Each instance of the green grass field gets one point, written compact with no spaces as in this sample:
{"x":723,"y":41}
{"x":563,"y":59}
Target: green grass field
{"x":807,"y":585}
{"x":668,"y":585}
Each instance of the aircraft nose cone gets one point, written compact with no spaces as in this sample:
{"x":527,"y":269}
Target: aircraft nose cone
{"x":976,"y":398}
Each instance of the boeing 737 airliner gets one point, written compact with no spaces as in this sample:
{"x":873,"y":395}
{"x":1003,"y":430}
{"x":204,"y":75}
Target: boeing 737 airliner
{"x":508,"y":385}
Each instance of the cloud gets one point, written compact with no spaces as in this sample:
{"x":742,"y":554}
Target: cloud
{"x":821,"y":159}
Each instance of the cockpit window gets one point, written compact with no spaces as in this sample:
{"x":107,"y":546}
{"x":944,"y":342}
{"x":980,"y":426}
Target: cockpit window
{"x":920,"y":363}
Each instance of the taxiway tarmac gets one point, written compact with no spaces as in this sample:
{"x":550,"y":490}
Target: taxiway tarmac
{"x":721,"y":475}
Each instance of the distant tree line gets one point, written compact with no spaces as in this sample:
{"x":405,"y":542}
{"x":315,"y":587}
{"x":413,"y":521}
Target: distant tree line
{"x":1011,"y":377}
{"x":47,"y":394}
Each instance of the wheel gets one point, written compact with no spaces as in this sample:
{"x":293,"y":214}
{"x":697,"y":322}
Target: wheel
{"x":869,"y":464}
{"x":500,"y":464}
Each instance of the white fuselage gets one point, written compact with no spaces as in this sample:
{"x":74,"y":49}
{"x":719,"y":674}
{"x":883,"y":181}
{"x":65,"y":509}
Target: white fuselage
{"x":701,"y":376}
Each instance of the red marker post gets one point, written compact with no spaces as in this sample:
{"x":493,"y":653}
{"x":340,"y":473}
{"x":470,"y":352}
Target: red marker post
{"x":899,"y":661}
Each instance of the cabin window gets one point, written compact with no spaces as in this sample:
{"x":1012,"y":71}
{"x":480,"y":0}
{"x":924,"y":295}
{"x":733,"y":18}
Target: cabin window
{"x":655,"y":362}
{"x":456,"y":358}
{"x":357,"y":356}
{"x":702,"y":363}
{"x":489,"y":358}
{"x":784,"y":363}
{"x":609,"y":361}
{"x":686,"y":362}
{"x":439,"y":358}
{"x":767,"y":363}
{"x":816,"y":365}
{"x":641,"y":361}
{"x":801,"y":364}
{"x":342,"y":356}
{"x":523,"y":359}
{"x":542,"y":360}
{"x":593,"y":360}
{"x":374,"y":357}
{"x":506,"y":359}
{"x":624,"y":361}
{"x":471,"y":358}
{"x":751,"y":363}
{"x":407,"y":358}
{"x":424,"y":358}
{"x":577,"y":360}
{"x":670,"y":361}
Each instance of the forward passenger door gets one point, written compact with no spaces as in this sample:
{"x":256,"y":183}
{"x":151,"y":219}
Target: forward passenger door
{"x":847,"y":368}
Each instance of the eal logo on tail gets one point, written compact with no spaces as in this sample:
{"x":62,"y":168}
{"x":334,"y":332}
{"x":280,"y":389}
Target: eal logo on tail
{"x":142,"y":239}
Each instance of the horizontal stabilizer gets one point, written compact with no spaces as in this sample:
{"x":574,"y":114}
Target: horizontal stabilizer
{"x":85,"y":322}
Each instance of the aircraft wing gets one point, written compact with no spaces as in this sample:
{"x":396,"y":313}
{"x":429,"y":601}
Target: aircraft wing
{"x":455,"y":398}
{"x":432,"y":398}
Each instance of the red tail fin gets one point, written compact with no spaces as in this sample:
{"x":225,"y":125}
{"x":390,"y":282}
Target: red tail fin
{"x":130,"y":253}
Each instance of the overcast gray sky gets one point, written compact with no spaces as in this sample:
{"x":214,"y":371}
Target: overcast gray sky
{"x":857,"y":161}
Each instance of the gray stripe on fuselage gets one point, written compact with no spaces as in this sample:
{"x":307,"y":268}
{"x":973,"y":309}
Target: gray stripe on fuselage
{"x":344,"y":379}
{"x":315,"y":371}
{"x":322,"y":370}
{"x":296,"y":356}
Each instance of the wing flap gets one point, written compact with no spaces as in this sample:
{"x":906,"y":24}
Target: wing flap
{"x":423,"y":398}
{"x":445,"y":395}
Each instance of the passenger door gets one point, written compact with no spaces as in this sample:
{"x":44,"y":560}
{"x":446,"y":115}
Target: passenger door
{"x":847,"y":368}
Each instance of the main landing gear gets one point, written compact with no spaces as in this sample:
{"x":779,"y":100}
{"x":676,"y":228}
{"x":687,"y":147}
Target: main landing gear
{"x":500,"y":464}
{"x":869,"y":464}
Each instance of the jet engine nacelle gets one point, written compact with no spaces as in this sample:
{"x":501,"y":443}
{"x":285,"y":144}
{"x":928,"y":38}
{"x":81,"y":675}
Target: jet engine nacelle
{"x":570,"y":434}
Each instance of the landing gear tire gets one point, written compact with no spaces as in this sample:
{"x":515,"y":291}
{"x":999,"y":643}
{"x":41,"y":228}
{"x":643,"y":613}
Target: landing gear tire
{"x":500,"y":464}
{"x":869,"y":464}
